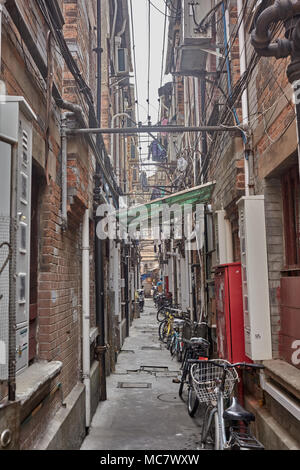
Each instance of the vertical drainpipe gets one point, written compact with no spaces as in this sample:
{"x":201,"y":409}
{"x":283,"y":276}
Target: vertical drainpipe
{"x":243,"y":64}
{"x":99,"y":261}
{"x":86,"y":315}
{"x":2,"y":2}
{"x":64,"y":182}
{"x":243,"y":69}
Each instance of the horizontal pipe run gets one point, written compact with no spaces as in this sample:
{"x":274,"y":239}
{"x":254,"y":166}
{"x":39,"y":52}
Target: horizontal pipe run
{"x":160,"y":129}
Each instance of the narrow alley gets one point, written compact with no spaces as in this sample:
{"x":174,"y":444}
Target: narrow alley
{"x":143,"y":410}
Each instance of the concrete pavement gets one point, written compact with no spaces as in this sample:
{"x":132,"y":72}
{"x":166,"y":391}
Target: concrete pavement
{"x":143,"y":410}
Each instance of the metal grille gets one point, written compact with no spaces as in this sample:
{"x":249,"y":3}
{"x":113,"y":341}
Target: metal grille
{"x":4,"y":295}
{"x":206,"y":376}
{"x":132,"y":385}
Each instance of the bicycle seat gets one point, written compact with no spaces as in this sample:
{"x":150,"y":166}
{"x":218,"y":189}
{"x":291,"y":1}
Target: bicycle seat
{"x":178,"y":321}
{"x":199,"y":341}
{"x":237,"y":413}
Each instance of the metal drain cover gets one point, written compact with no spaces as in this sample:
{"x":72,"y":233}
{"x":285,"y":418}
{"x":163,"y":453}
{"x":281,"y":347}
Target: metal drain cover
{"x":169,"y":398}
{"x":127,"y":351}
{"x":133,"y":385}
{"x":151,"y":348}
{"x":154,"y":368}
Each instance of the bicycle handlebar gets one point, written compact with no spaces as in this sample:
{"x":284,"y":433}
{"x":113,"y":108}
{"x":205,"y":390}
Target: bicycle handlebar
{"x":228,"y":366}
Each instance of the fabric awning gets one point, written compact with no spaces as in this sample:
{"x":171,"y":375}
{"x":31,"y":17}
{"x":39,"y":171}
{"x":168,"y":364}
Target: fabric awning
{"x":197,"y":195}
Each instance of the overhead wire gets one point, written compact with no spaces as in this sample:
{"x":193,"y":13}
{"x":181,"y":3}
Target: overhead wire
{"x":135,"y":74}
{"x":163,"y":59}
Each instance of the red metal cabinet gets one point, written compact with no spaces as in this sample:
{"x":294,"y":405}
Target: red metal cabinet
{"x":230,"y":316}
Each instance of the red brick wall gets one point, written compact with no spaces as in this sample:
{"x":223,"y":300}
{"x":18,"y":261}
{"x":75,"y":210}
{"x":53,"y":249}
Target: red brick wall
{"x":59,"y":264}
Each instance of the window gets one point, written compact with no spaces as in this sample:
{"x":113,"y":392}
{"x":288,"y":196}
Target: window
{"x":290,"y":196}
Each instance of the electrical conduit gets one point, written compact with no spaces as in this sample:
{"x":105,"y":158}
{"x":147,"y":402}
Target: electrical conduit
{"x":86,"y":315}
{"x":242,"y":64}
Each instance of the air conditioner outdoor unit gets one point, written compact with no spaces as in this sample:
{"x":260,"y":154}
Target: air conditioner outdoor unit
{"x":194,"y":33}
{"x":15,"y":220}
{"x":122,"y":63}
{"x":257,"y":324}
{"x":223,"y":238}
{"x":190,"y":60}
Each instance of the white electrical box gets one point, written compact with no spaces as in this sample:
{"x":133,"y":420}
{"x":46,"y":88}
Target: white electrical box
{"x":15,"y":211}
{"x":257,"y":325}
{"x":223,"y":237}
{"x":5,"y":241}
{"x":194,"y":32}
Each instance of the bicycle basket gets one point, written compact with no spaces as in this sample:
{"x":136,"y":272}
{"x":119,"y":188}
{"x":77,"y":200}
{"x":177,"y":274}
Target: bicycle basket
{"x":206,"y":377}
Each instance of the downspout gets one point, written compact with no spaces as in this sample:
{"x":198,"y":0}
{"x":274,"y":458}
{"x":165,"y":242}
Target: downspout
{"x":112,"y":146}
{"x":64,"y":163}
{"x":114,"y":27}
{"x":78,"y":112}
{"x":99,"y":245}
{"x":245,"y":107}
{"x":2,"y":2}
{"x":242,"y":52}
{"x":86,"y":315}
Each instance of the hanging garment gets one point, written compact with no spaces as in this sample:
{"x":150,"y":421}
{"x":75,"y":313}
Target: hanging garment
{"x":144,"y":181}
{"x":156,"y":194}
{"x":157,"y":152}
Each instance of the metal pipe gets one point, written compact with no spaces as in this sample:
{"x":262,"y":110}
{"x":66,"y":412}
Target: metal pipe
{"x":243,"y":70}
{"x":282,"y":10}
{"x":2,"y":2}
{"x":99,"y":246}
{"x":64,"y":180}
{"x":159,"y":129}
{"x":99,"y":61}
{"x":112,"y":143}
{"x":86,"y":360}
{"x":114,"y":26}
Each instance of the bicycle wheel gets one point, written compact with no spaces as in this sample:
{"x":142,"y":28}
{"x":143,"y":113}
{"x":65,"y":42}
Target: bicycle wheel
{"x":161,"y":314}
{"x":184,"y":368}
{"x":193,"y":401}
{"x":179,"y":352}
{"x":210,"y":436}
{"x":163,"y":331}
{"x":169,"y":341}
{"x":173,"y":345}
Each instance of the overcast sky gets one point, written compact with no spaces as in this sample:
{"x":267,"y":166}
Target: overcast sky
{"x":140,"y":18}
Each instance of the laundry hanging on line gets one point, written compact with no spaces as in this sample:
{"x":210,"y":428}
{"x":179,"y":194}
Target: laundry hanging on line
{"x":157,"y":152}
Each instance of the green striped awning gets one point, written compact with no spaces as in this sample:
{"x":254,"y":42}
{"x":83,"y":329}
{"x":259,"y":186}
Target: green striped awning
{"x":197,"y":195}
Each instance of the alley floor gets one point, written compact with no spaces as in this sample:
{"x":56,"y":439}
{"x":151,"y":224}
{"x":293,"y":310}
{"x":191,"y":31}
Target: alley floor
{"x":143,"y":410}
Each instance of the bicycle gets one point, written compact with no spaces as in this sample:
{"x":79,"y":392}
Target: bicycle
{"x":214,"y":382}
{"x":176,"y":346}
{"x":195,"y":348}
{"x":165,"y":329}
{"x":164,"y":311}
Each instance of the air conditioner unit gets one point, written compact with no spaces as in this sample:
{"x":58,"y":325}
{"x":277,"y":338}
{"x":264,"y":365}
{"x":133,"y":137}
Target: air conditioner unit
{"x":15,"y":211}
{"x":122,"y":62}
{"x":194,"y":33}
{"x":223,"y":238}
{"x":190,"y":60}
{"x":257,"y":325}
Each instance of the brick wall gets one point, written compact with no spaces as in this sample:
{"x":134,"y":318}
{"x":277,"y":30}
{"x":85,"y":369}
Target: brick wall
{"x":59,"y":259}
